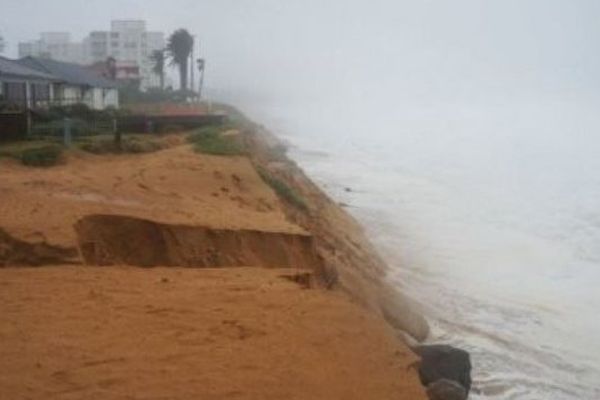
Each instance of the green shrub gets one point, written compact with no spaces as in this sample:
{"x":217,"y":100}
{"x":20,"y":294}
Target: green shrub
{"x":136,"y":146}
{"x":104,"y":146}
{"x":205,"y":131}
{"x":282,"y":189}
{"x":44,"y":156}
{"x":171,"y":129}
{"x":128,"y":145}
{"x":79,"y":127}
{"x":209,"y":140}
{"x":278,"y":152}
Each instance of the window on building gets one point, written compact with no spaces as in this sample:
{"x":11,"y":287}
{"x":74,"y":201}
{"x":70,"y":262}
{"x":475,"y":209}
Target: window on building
{"x":14,"y":92}
{"x":40,"y":93}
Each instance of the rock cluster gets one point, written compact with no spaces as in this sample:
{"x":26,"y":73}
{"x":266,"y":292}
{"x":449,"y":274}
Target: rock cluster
{"x":445,"y":371}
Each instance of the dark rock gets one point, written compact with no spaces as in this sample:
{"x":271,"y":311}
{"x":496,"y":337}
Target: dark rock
{"x":442,"y":362}
{"x":445,"y":389}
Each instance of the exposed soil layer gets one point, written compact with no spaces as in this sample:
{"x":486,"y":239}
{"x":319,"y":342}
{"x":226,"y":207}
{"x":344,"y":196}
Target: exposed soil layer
{"x":175,"y":333}
{"x":123,"y":240}
{"x":15,"y":252}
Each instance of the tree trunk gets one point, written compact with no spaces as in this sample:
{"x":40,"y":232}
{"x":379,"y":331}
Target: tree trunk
{"x":183,"y":79}
{"x":162,"y":80}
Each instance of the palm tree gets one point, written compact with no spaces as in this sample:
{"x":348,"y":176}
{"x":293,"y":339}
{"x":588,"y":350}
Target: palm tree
{"x":179,"y":48}
{"x":158,"y":65}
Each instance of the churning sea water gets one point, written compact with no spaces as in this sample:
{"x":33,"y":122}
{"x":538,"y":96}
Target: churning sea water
{"x":488,"y":217}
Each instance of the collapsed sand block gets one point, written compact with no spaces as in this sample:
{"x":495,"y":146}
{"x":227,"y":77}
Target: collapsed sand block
{"x":124,"y":240}
{"x":16,"y":252}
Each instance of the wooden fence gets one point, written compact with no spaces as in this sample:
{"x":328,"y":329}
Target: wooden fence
{"x":13,"y":125}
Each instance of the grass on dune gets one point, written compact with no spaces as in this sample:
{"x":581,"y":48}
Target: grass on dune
{"x":33,"y":153}
{"x":210,"y":140}
{"x":282,"y":189}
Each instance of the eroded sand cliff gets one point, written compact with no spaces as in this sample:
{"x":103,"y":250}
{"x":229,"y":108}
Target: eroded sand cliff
{"x":92,"y":325}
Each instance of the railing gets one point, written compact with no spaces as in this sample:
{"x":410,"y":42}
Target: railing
{"x":68,"y":101}
{"x":21,"y":104}
{"x":11,"y":107}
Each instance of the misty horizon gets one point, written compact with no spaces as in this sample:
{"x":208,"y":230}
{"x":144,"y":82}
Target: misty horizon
{"x":422,"y":52}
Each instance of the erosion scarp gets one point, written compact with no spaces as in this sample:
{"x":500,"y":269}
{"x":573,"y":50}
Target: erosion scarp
{"x":16,"y":252}
{"x":124,"y":240}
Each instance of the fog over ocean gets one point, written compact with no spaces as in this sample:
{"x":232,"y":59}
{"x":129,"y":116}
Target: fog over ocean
{"x":469,"y":135}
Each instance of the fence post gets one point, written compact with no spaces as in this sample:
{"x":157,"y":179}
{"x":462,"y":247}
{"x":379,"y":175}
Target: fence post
{"x":28,"y":122}
{"x":67,"y":139}
{"x":149,"y":126}
{"x":117,"y":133}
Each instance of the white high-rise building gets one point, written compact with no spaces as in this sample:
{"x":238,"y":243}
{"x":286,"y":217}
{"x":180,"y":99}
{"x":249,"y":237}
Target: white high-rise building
{"x":54,"y":45}
{"x":128,"y":42}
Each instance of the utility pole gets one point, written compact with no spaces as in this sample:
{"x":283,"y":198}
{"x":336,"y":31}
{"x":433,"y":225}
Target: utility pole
{"x":201,"y":66}
{"x":192,"y":64}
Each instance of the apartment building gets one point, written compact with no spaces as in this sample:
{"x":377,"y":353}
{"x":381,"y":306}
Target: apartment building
{"x":127,"y":41}
{"x":130,"y":44}
{"x":54,"y":45}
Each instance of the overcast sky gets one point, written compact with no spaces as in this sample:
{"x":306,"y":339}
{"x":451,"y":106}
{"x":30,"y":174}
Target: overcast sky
{"x":308,"y":48}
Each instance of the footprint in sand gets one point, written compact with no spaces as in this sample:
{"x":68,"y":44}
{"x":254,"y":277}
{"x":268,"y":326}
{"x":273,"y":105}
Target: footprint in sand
{"x":233,"y":329}
{"x":264,"y":206}
{"x":236,"y":179}
{"x":239,"y":200}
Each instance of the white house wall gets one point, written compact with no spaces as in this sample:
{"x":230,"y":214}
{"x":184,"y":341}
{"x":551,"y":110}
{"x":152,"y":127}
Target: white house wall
{"x":101,"y":98}
{"x":71,"y":95}
{"x":94,"y":99}
{"x":111,"y":98}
